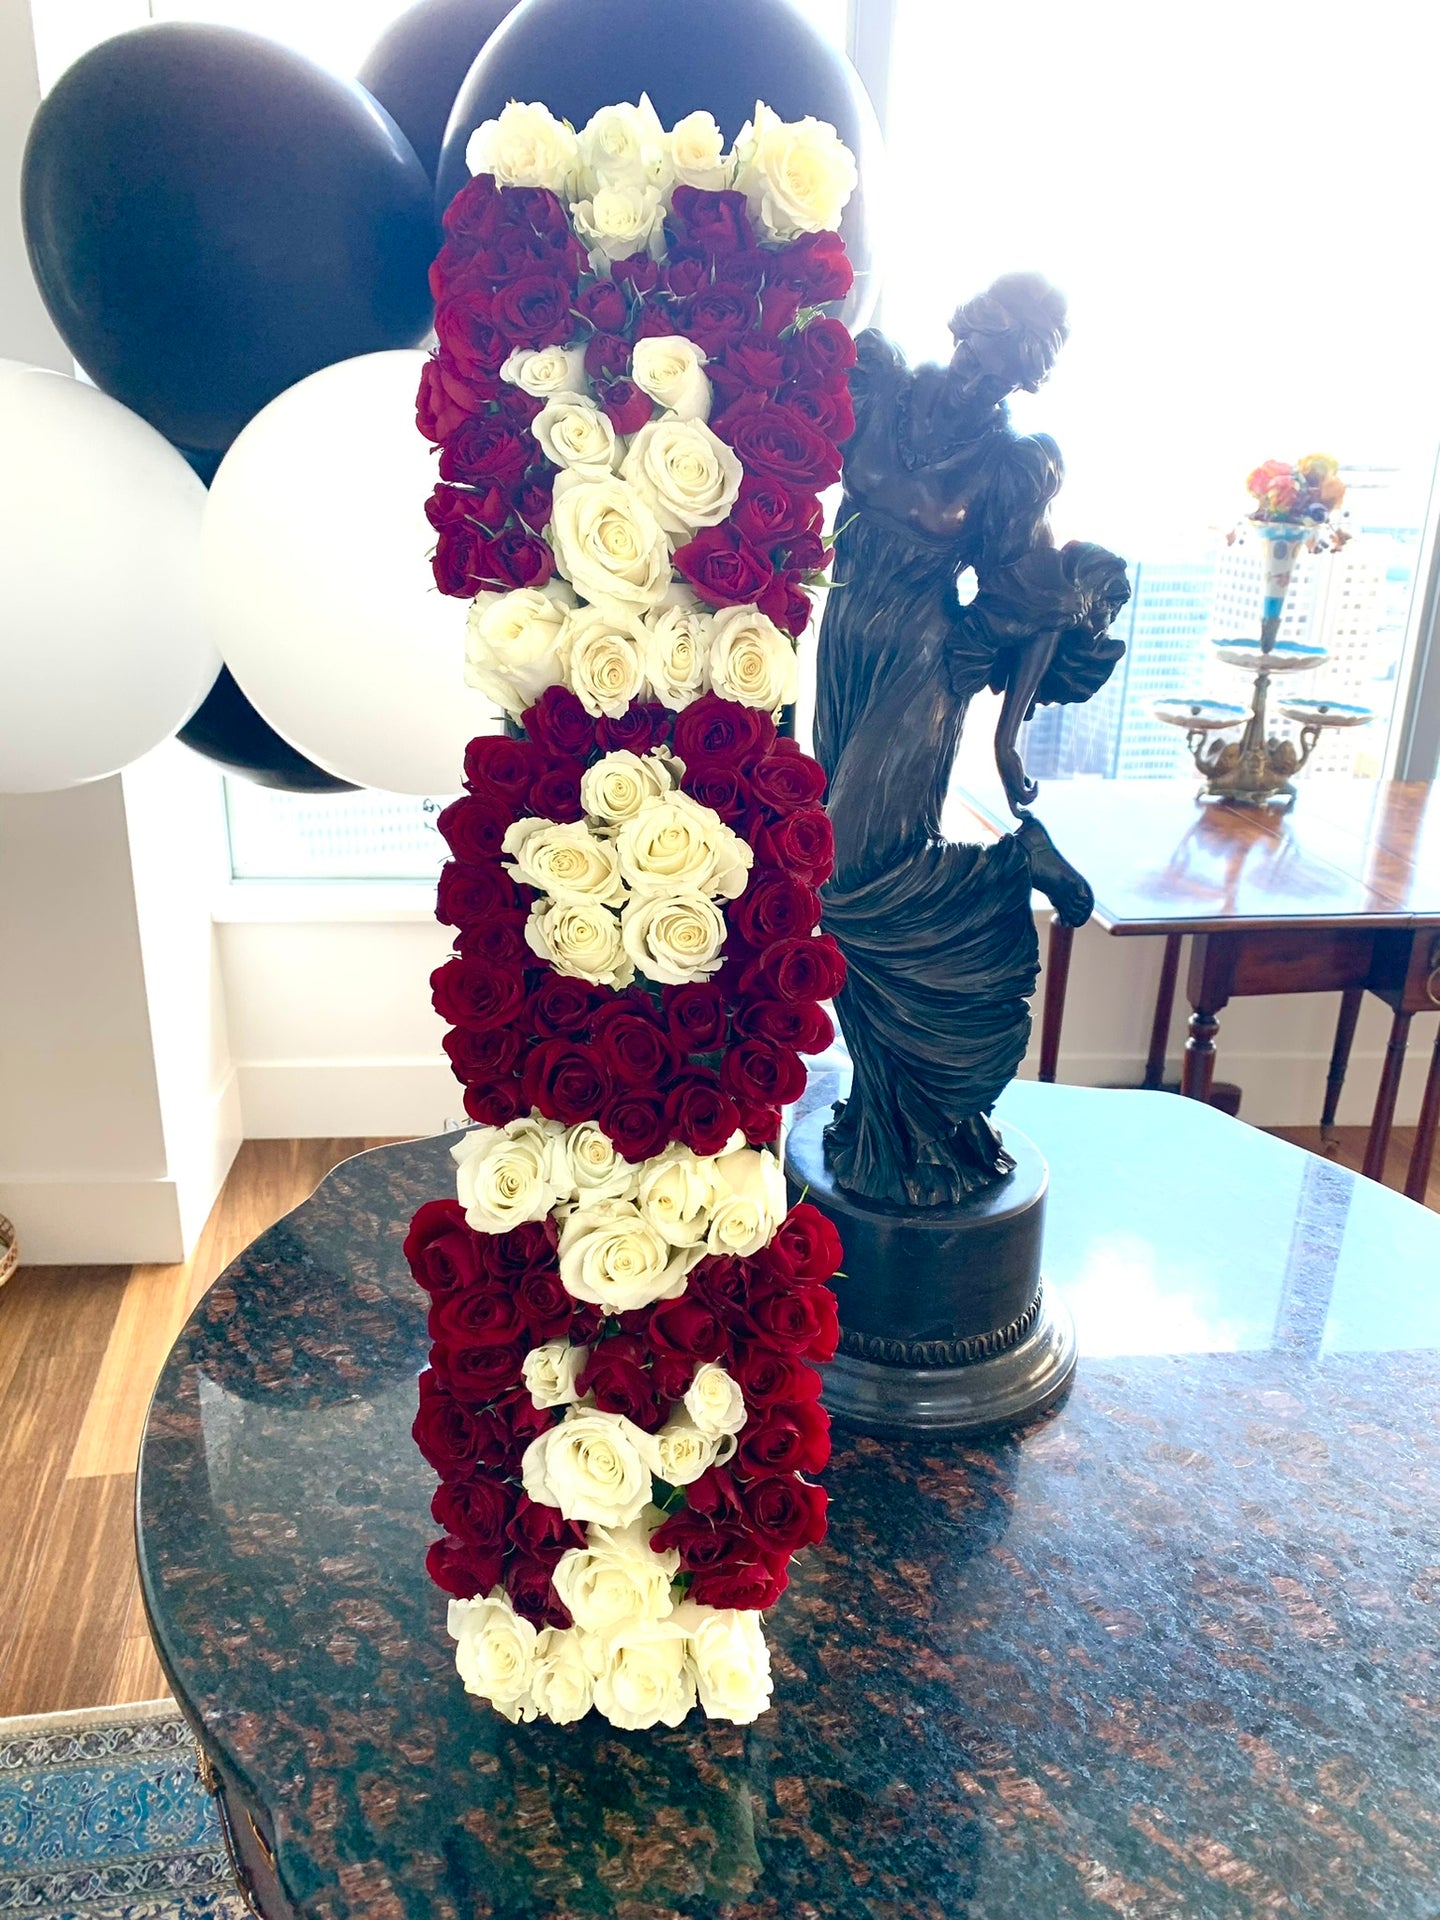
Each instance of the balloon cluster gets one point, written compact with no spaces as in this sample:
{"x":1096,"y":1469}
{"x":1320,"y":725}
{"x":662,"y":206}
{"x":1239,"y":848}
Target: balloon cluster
{"x":233,"y":243}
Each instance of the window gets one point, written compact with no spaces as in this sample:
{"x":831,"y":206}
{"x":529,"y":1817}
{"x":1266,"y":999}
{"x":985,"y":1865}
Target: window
{"x":331,"y":836}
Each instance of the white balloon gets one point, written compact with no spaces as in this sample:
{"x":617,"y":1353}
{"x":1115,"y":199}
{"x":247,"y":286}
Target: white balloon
{"x":318,"y":583}
{"x":104,"y":650}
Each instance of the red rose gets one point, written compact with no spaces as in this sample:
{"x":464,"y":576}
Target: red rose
{"x":644,"y":725}
{"x":714,"y":729}
{"x":450,"y":507}
{"x":547,"y":1308}
{"x":704,"y":1543}
{"x":502,"y":1439}
{"x":556,"y":794}
{"x":800,"y":843}
{"x":494,"y":1103}
{"x":541,"y":1531}
{"x":519,"y":409}
{"x":440,"y":1250}
{"x":766,"y":1377}
{"x":800,"y":1321}
{"x":477,"y":1374}
{"x":655,"y":322}
{"x":487,"y":451}
{"x":773,"y":439}
{"x":445,"y":1433}
{"x":637,"y":271}
{"x":724,"y":1284}
{"x":755,"y":1587}
{"x":500,"y":939}
{"x":604,"y":305}
{"x":774,"y":906}
{"x":565,"y":1081}
{"x":806,"y":1244}
{"x":446,"y":399}
{"x":820,"y":353}
{"x":534,"y":311}
{"x":624,"y":405}
{"x":480,"y":1316}
{"x":494,"y":763}
{"x":804,"y":1026}
{"x":743,"y":271}
{"x":607,"y":356}
{"x":532,"y":1593}
{"x":462,"y":1570}
{"x":466,"y":329}
{"x":760,"y":1125}
{"x":467,"y":892}
{"x":540,"y":209}
{"x":473,"y":993}
{"x":634,"y":1051}
{"x":718,"y":222}
{"x":787,"y":778}
{"x":477,"y":211}
{"x":723,"y":790}
{"x":754,"y":360}
{"x":482,"y":1056}
{"x":672,"y":1374}
{"x":723,"y":567}
{"x":562,"y":1006}
{"x":779,"y":305}
{"x":460,"y":562}
{"x":769,"y":514}
{"x":535,"y":498}
{"x":685,"y":274}
{"x":786,"y":602}
{"x":559,"y":724}
{"x":829,"y":410}
{"x":514,"y":1253}
{"x":805,"y":969}
{"x":756,"y":1073}
{"x":636,"y":1123}
{"x":718,"y":315}
{"x":615,"y":1374}
{"x":786,"y":1439}
{"x":698,"y":1112}
{"x":817,"y":266}
{"x":476,"y":1510}
{"x":695,"y":1017}
{"x":785,"y":1512}
{"x":518,"y":558}
{"x":687,"y":1326}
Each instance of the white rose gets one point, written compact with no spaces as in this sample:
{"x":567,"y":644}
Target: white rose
{"x":601,"y":661}
{"x":615,"y":1579}
{"x":714,"y":1401}
{"x":751,"y":660}
{"x":580,"y":940}
{"x":508,"y":1175}
{"x":674,"y":845}
{"x":563,"y":1684}
{"x":751,"y":1204}
{"x":675,"y":650}
{"x":619,"y":784}
{"x":646,"y":1677}
{"x":576,"y":435}
{"x":616,"y":222}
{"x":670,"y":369}
{"x":676,"y":1191}
{"x":592,"y":1467}
{"x":611,"y":1256}
{"x":609,"y":545}
{"x":686,"y":475}
{"x":495,"y":1653}
{"x":543,"y":371}
{"x":624,"y":146}
{"x":697,"y":154}
{"x":796,"y":176}
{"x":526,"y":147}
{"x":597,"y":1170}
{"x":682,"y":1452}
{"x":674,"y":940}
{"x":729,"y":1659}
{"x":564,"y":859}
{"x":514,"y":643}
{"x":550,"y":1372}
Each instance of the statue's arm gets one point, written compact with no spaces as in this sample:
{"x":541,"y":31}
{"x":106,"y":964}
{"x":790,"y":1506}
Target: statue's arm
{"x":1027,"y":667}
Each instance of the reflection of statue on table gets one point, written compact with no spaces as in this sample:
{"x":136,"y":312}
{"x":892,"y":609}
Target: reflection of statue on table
{"x":939,"y":935}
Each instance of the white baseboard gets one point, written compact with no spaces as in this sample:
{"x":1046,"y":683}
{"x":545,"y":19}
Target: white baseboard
{"x":81,"y":1223}
{"x":324,"y":1099}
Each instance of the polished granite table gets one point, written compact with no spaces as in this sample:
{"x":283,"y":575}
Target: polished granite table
{"x":1173,"y":1653}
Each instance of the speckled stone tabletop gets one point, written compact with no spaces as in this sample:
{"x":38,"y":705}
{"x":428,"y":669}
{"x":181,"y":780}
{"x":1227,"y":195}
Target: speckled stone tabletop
{"x":1170,"y":1654}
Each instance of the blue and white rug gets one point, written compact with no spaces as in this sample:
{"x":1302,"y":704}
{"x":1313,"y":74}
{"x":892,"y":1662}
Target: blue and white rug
{"x":102,"y":1813}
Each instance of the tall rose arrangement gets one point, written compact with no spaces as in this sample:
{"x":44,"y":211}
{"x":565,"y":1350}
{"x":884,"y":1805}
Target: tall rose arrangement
{"x":636,"y":402}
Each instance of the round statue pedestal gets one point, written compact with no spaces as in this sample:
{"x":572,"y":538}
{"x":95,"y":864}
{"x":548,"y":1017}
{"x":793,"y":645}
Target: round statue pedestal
{"x":945,"y":1324}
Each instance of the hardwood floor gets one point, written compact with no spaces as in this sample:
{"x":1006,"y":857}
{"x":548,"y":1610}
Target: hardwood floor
{"x":80,"y":1349}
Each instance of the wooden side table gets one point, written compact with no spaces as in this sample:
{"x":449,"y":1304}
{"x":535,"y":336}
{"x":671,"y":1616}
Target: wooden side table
{"x":1341,"y":894}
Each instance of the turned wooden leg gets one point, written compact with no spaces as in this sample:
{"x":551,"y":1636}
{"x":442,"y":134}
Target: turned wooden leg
{"x":1417,"y":1179}
{"x":1057,"y":979}
{"x":1350,"y":1001}
{"x":1384,"y":1116}
{"x":1164,"y":1007}
{"x":1199,"y":1070}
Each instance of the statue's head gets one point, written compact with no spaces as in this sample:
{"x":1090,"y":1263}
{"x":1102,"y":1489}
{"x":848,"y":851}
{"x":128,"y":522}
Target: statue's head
{"x":1007,"y":338}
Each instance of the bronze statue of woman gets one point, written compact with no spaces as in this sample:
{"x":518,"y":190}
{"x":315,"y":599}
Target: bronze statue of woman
{"x":939,"y":935}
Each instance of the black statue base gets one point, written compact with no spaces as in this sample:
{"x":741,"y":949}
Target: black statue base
{"x":945,"y":1324}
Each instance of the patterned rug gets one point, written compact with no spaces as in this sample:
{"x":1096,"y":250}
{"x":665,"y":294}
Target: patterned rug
{"x":102,"y":1813}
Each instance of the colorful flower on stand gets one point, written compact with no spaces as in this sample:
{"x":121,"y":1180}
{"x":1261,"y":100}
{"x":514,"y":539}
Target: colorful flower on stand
{"x":637,"y":403}
{"x":1310,"y":493}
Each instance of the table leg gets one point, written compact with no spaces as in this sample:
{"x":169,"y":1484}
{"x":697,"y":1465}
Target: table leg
{"x":1164,"y":1007}
{"x":1198,"y":1075}
{"x":1057,"y":979}
{"x":1417,"y":1179}
{"x":1384,"y":1116}
{"x":1350,"y":1001}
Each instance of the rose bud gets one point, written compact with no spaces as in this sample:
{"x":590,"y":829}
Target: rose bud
{"x":532,"y":1595}
{"x":463,"y":1570}
{"x":441,"y":1251}
{"x":476,"y":1510}
{"x":786,"y":1439}
{"x":785,"y":1513}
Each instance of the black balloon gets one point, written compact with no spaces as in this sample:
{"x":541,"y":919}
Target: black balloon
{"x":211,"y":217}
{"x":226,"y":728}
{"x":418,"y":66}
{"x":580,"y":55}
